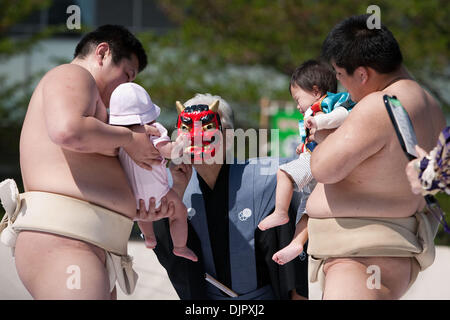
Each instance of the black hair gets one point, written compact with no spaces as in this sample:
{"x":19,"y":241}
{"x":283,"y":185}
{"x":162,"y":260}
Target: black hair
{"x":121,"y":42}
{"x":351,"y":44}
{"x":314,"y":73}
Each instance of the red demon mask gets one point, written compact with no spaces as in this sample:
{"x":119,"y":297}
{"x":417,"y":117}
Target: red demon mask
{"x":201,"y":123}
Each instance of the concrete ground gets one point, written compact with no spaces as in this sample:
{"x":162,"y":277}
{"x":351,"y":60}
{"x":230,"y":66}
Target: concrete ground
{"x":153,"y":283}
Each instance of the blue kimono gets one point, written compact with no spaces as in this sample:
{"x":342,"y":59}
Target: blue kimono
{"x":326,"y":104}
{"x":251,"y":197}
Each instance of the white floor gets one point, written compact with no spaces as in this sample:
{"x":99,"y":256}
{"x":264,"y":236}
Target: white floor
{"x":153,"y":283}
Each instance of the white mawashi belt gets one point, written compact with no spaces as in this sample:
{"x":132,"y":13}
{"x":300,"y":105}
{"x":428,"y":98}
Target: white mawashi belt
{"x":119,"y":267}
{"x":9,"y":196}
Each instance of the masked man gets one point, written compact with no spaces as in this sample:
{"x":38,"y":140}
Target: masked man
{"x":225,"y":204}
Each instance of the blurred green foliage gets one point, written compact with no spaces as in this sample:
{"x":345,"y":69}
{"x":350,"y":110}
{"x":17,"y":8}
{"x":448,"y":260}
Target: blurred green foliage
{"x":213,"y":35}
{"x":12,"y":104}
{"x":14,"y":97}
{"x":12,"y":12}
{"x":443,"y":238}
{"x":242,"y":50}
{"x":246,"y":49}
{"x":282,"y":34}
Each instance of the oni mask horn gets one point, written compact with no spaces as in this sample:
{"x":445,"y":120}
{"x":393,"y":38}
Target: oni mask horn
{"x":180,"y":107}
{"x":214,"y":107}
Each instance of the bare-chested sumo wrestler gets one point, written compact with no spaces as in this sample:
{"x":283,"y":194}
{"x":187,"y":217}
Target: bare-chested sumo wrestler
{"x":364,"y":219}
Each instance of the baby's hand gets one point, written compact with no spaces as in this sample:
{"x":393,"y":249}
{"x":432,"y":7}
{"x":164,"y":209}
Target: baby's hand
{"x":178,"y":146}
{"x":299,"y":148}
{"x":181,"y":140}
{"x":311,"y":123}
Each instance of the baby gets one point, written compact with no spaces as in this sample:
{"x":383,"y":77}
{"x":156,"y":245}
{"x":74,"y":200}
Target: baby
{"x":131,"y":106}
{"x":311,"y":86}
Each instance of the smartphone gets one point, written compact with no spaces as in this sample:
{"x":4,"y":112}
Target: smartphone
{"x":408,"y":140}
{"x":402,"y":125}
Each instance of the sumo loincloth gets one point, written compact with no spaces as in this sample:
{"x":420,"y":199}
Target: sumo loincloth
{"x":372,"y":237}
{"x":73,"y":218}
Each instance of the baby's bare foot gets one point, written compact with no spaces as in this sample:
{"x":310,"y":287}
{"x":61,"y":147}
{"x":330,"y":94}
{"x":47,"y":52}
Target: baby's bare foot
{"x":185,"y":252}
{"x":150,"y":241}
{"x":277,"y":218}
{"x":287,"y":254}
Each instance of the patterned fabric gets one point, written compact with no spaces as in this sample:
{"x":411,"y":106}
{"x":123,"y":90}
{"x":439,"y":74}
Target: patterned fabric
{"x":331,"y":101}
{"x":308,"y":145}
{"x":317,"y":107}
{"x":299,"y":170}
{"x":326,"y":104}
{"x":434,"y":169}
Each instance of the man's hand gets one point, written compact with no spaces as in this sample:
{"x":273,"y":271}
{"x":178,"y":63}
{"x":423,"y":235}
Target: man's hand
{"x":319,"y":136}
{"x":180,"y":143}
{"x":413,"y":170}
{"x":165,"y":210}
{"x":181,"y":174}
{"x":140,"y":148}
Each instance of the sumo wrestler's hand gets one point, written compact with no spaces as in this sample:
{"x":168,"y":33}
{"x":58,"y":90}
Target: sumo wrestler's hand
{"x":320,"y":135}
{"x":165,"y":210}
{"x":140,"y":148}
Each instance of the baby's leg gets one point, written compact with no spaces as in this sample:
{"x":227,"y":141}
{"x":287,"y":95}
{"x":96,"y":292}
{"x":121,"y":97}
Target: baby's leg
{"x":295,"y":247}
{"x":283,"y":198}
{"x":179,"y":228}
{"x":149,"y":236}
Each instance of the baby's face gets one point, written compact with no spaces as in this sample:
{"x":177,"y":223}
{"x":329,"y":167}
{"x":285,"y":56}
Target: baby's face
{"x":303,"y":98}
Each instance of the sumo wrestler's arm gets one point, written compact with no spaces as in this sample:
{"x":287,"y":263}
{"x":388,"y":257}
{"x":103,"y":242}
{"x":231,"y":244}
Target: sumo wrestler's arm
{"x":70,"y":100}
{"x":363,"y":134}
